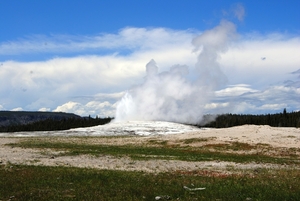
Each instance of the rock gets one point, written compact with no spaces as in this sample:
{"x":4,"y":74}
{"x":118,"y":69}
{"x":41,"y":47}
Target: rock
{"x":163,"y":197}
{"x":193,"y":189}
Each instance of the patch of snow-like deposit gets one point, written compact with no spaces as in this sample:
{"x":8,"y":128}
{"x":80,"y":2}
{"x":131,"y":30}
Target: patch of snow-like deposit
{"x":116,"y":128}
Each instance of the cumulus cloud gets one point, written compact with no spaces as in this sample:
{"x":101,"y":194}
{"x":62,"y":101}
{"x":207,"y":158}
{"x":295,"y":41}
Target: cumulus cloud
{"x":53,"y":82}
{"x":106,"y":65}
{"x":92,"y":108}
{"x":17,"y":109}
{"x":248,"y":100}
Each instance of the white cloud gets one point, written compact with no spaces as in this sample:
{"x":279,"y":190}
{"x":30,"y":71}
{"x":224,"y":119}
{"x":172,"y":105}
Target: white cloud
{"x":92,"y":108}
{"x":40,"y":103}
{"x":114,"y":96}
{"x":235,"y":90}
{"x":273,"y":106}
{"x":17,"y":109}
{"x":272,"y":99}
{"x":72,"y":107}
{"x":129,"y":38}
{"x":55,"y":81}
{"x":243,"y":64}
{"x":44,"y":109}
{"x":211,"y":106}
{"x":79,"y":83}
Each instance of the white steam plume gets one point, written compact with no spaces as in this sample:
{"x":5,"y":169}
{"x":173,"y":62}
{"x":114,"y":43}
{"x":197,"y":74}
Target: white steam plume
{"x":170,"y":96}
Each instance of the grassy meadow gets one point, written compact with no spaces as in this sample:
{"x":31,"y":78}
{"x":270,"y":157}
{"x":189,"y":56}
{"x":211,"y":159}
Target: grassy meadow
{"x":31,"y":182}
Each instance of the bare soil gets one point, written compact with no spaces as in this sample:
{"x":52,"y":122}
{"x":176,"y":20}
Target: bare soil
{"x":262,"y":139}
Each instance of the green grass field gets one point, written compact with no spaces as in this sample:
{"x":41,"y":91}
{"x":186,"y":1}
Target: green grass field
{"x":20,"y":182}
{"x":28,"y":182}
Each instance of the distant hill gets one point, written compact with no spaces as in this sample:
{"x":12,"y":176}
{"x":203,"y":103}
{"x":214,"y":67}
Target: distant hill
{"x":16,"y":118}
{"x":11,"y":121}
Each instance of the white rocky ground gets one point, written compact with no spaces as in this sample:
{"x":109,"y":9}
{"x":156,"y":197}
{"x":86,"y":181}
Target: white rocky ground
{"x":116,"y":128}
{"x":278,"y":139}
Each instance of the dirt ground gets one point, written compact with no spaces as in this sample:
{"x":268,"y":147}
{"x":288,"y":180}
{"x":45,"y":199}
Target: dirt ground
{"x":277,"y":140}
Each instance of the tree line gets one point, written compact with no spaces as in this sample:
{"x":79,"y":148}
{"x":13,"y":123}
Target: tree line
{"x":284,"y":119}
{"x":54,"y":124}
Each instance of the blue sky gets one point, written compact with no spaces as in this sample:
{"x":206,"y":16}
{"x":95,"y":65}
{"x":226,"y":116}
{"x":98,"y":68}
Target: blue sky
{"x":82,"y":56}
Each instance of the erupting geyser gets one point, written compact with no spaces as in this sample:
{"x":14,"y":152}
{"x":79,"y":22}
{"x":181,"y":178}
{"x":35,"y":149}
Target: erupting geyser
{"x":170,"y":96}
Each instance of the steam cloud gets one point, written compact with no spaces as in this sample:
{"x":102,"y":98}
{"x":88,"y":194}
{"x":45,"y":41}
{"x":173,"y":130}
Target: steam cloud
{"x":171,"y":96}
